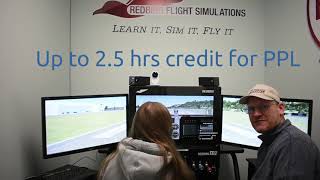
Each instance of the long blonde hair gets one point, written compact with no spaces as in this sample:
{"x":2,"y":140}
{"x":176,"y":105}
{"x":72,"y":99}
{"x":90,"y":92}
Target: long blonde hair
{"x":152,"y":123}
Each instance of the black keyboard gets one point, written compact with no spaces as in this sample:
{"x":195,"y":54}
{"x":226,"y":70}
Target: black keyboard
{"x":69,"y":172}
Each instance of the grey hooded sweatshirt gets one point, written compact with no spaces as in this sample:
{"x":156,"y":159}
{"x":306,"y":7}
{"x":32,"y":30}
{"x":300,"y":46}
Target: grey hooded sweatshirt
{"x":135,"y":160}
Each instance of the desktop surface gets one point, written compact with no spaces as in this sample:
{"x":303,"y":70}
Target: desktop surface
{"x":67,"y":172}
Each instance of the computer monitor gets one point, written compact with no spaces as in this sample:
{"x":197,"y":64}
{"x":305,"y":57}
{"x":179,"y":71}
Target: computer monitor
{"x":237,"y":129}
{"x":195,"y":111}
{"x":72,"y":124}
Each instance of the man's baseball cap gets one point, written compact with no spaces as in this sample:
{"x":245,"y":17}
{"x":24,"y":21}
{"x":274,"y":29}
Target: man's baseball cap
{"x":261,"y":91}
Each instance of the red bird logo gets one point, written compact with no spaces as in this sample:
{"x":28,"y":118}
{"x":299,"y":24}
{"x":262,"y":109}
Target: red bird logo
{"x":313,"y":15}
{"x":119,"y":9}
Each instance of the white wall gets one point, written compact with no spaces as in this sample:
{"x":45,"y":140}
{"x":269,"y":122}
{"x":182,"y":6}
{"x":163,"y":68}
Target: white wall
{"x":27,"y":26}
{"x":91,"y":33}
{"x":286,"y":28}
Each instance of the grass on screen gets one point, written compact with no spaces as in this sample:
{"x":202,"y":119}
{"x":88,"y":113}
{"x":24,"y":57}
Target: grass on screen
{"x":242,"y":119}
{"x":63,"y":127}
{"x":237,"y":118}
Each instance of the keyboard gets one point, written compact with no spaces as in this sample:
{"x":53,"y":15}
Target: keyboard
{"x":70,"y":172}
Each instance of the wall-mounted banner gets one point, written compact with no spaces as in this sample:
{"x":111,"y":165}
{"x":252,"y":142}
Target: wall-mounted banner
{"x":313,"y":15}
{"x":206,"y":58}
{"x":167,"y":34}
{"x":138,"y":8}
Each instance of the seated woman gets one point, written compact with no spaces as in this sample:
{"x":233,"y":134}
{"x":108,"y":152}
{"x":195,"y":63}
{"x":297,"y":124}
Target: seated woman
{"x":149,"y":153}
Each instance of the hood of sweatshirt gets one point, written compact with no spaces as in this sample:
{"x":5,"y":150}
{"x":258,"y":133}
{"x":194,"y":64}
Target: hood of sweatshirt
{"x":139,"y":159}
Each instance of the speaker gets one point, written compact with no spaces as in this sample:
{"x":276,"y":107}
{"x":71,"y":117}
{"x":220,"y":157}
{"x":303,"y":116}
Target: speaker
{"x":139,"y":80}
{"x":209,"y":81}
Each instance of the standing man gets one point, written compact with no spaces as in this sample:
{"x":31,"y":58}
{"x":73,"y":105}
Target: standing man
{"x":286,"y":153}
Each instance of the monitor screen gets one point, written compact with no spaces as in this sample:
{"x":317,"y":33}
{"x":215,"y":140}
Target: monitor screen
{"x":237,"y":129}
{"x":73,"y":124}
{"x":179,"y":106}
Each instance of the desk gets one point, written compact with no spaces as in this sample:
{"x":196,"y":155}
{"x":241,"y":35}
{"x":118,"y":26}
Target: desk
{"x":67,"y":172}
{"x":232,"y":150}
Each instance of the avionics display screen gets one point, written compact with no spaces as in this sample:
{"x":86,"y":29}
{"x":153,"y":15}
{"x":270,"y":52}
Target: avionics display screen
{"x":236,"y":126}
{"x":179,"y":106}
{"x":79,"y":123}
